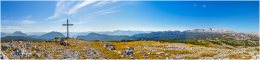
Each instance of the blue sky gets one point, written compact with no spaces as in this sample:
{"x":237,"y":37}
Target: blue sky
{"x":46,"y":16}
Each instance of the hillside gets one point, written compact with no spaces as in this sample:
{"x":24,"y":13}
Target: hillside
{"x":82,"y":49}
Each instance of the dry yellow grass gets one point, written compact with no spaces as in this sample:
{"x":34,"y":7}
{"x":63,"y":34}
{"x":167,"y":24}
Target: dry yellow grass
{"x":141,"y":48}
{"x":208,"y":54}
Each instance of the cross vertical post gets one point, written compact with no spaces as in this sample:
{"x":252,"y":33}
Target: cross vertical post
{"x":67,"y":25}
{"x":67,"y":28}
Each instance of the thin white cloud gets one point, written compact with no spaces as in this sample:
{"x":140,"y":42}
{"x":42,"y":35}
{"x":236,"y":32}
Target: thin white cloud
{"x":106,"y":12}
{"x":61,"y":8}
{"x":58,"y":9}
{"x":66,"y":8}
{"x":104,"y":2}
{"x":81,"y":5}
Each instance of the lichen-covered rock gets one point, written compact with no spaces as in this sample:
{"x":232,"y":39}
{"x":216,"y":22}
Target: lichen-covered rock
{"x":110,"y":46}
{"x":129,"y":51}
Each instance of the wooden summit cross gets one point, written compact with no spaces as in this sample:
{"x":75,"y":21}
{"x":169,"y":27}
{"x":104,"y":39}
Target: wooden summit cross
{"x":67,"y":27}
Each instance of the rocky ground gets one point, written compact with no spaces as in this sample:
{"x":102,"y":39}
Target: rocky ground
{"x":80,"y":49}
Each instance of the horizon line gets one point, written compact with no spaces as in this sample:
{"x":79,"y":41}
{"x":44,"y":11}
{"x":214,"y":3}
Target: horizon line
{"x":132,"y":30}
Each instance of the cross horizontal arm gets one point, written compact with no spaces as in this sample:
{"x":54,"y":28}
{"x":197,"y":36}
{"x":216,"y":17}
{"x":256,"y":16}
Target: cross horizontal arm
{"x":67,"y":24}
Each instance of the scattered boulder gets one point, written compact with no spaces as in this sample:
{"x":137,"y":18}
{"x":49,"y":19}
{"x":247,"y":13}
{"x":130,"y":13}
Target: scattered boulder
{"x":110,"y":46}
{"x":37,"y":55}
{"x":64,"y":43}
{"x":3,"y":56}
{"x":4,"y":47}
{"x":92,"y":53}
{"x":129,"y":51}
{"x":17,"y":53}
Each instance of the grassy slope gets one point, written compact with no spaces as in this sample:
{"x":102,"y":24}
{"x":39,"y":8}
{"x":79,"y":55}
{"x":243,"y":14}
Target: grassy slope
{"x":151,"y":48}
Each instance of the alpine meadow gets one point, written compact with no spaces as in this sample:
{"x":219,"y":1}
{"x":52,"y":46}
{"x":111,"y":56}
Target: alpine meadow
{"x":130,"y":29}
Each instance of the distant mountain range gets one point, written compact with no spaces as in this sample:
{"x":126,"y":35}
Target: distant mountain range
{"x":108,"y":35}
{"x":75,"y":34}
{"x":51,"y":35}
{"x":176,"y":35}
{"x":140,"y":35}
{"x":18,"y":35}
{"x":104,"y":37}
{"x":194,"y":35}
{"x":122,"y":32}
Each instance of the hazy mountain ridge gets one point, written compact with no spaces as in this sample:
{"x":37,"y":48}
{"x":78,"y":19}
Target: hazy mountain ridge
{"x":96,"y":36}
{"x":147,"y":35}
{"x":3,"y":34}
{"x":195,"y":34}
{"x":51,"y":35}
{"x":122,"y":32}
{"x":18,"y":35}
